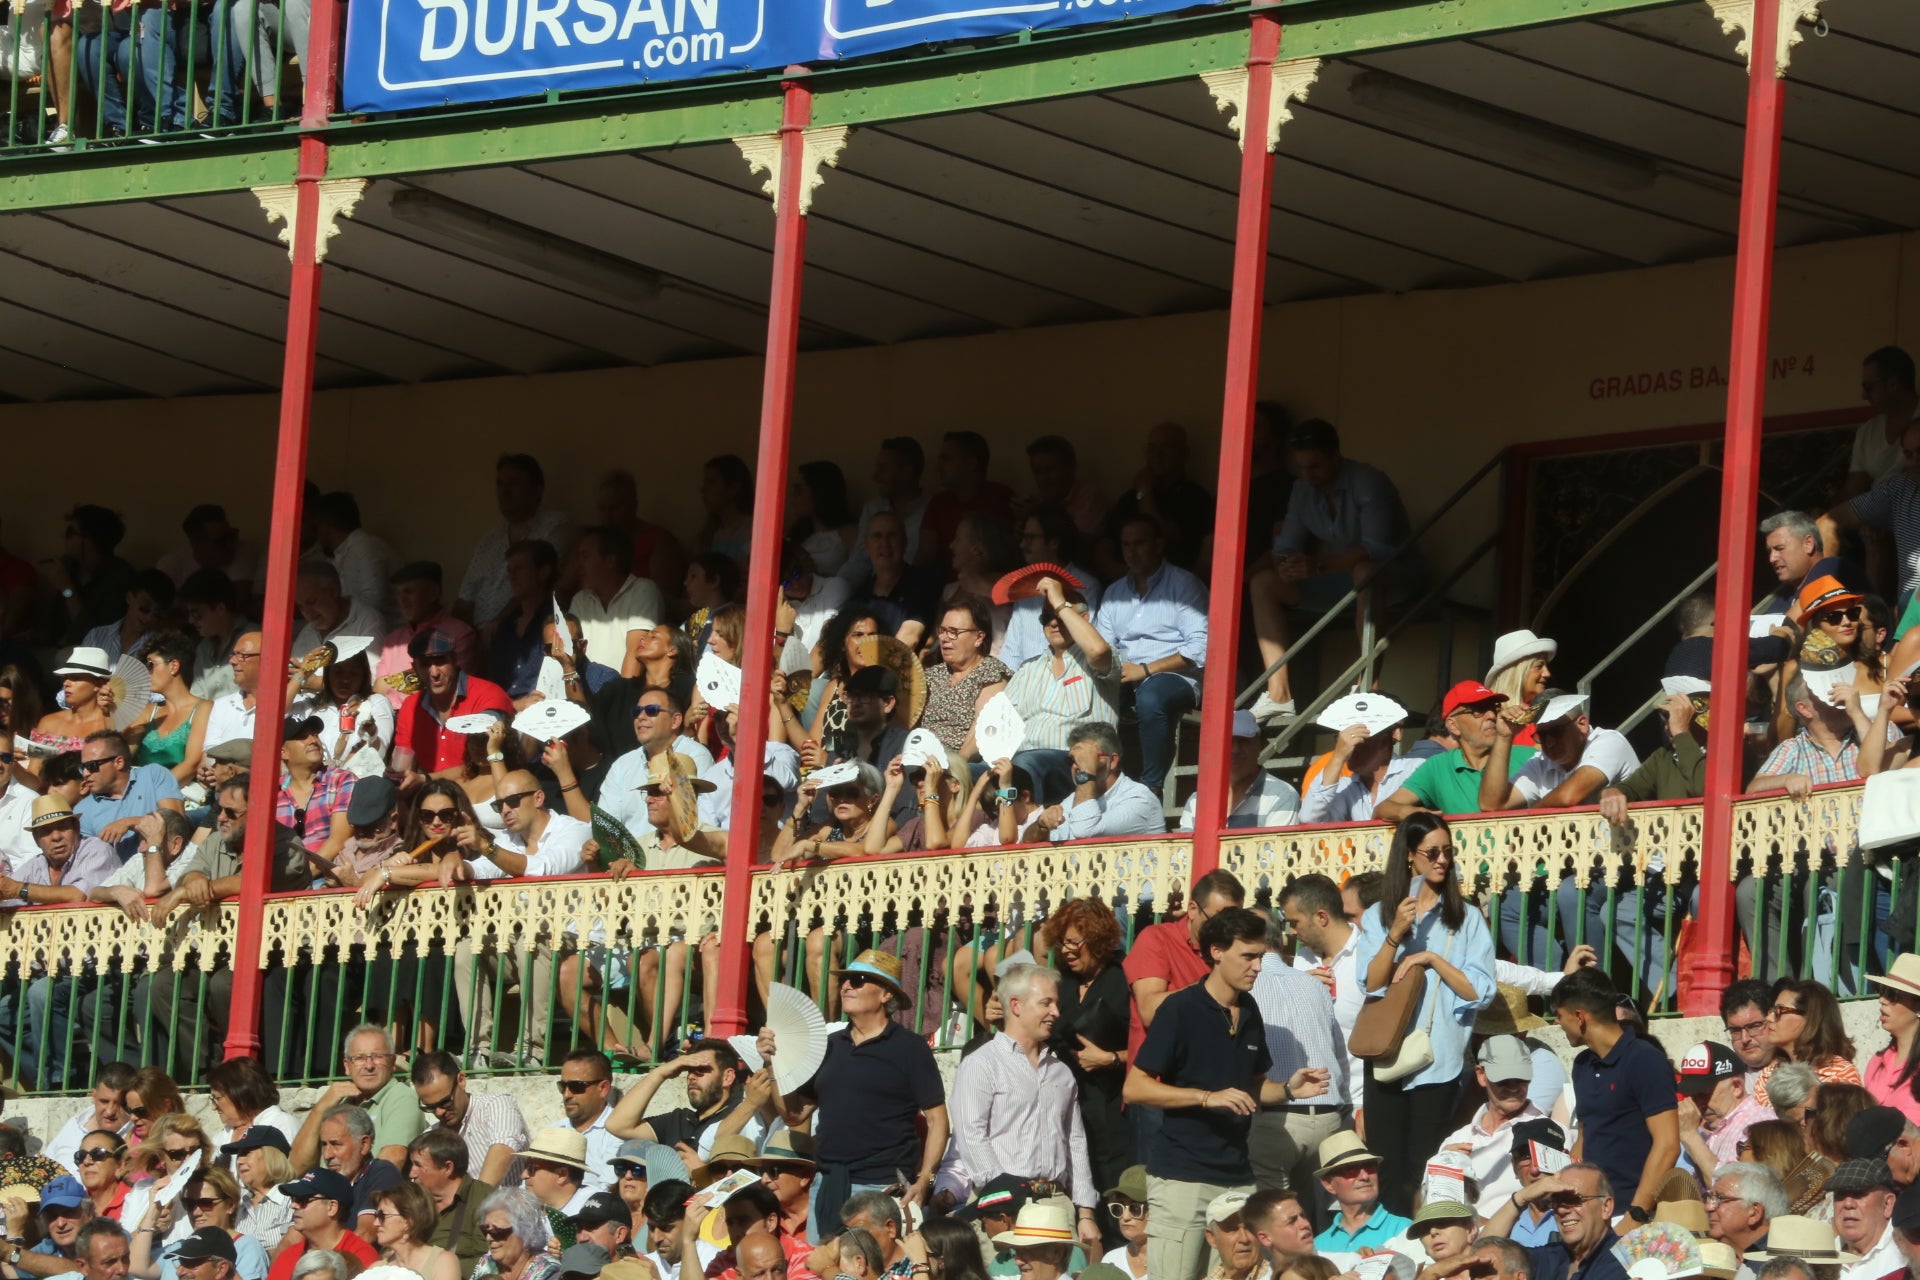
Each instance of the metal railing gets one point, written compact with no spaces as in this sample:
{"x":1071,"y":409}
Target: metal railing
{"x":495,"y":973}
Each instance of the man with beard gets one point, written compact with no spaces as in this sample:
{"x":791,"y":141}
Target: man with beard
{"x":715,"y":1081}
{"x":422,"y":743}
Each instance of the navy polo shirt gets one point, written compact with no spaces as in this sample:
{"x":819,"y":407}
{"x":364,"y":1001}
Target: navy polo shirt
{"x":1612,"y":1098}
{"x":1553,"y":1261}
{"x":871,"y":1095}
{"x":1190,"y":1045}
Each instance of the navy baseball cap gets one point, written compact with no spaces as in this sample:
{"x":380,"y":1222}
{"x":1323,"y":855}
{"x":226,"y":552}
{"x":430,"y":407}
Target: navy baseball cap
{"x":322,"y":1183}
{"x":256,"y":1137}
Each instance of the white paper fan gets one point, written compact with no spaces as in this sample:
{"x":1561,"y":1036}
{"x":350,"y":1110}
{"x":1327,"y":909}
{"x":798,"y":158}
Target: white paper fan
{"x":1000,"y":731}
{"x":748,"y":1047}
{"x":132,"y":687}
{"x":719,"y":681}
{"x":799,"y":1036}
{"x":835,"y":774}
{"x":552,"y":681}
{"x":922,"y":745}
{"x":545,"y":721}
{"x":1374,"y":710}
{"x":478,"y":724}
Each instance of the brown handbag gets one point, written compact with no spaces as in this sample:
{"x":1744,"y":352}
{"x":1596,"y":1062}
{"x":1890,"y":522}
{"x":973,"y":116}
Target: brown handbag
{"x":1383,"y":1021}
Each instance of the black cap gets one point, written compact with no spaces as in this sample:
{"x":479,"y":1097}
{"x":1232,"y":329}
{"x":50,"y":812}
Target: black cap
{"x":296,"y":727}
{"x":584,"y":1259}
{"x":204,"y":1245}
{"x":324,"y":1183}
{"x":256,"y":1137}
{"x":601,"y":1208}
{"x":1005,"y":1195}
{"x":1541,"y":1130}
{"x":874,"y":680}
{"x":373,"y":799}
{"x":1872,"y":1133}
{"x":417,"y":571}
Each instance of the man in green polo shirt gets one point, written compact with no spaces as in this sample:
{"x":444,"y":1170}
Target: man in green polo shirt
{"x":1449,"y":783}
{"x":368,"y":1058}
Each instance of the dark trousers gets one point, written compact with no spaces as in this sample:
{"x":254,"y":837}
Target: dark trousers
{"x":1404,"y":1127}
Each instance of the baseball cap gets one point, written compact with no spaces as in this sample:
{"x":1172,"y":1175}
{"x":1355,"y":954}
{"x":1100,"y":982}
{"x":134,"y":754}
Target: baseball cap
{"x":1468,"y":693}
{"x":294,"y":728}
{"x":1245,"y":725}
{"x":1225,"y":1205}
{"x":1872,"y":1133}
{"x":1505,"y":1058}
{"x":204,"y":1245}
{"x":1854,"y":1176}
{"x":431,"y":643}
{"x":64,"y":1192}
{"x":601,"y":1208}
{"x":586,"y":1259}
{"x":322,"y":1183}
{"x":1705,"y":1065}
{"x":1005,"y":1195}
{"x":256,"y":1137}
{"x":1540,"y":1130}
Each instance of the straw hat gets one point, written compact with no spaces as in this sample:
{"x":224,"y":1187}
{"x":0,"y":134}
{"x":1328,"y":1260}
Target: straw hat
{"x":1904,"y":975}
{"x":1437,"y":1212}
{"x":1718,"y":1260}
{"x":88,"y":661}
{"x":50,"y":810}
{"x":1343,"y":1149}
{"x":734,"y":1153}
{"x":1688,"y":1214}
{"x":879,"y":966}
{"x":559,"y":1144}
{"x":1042,"y":1222}
{"x":1507,"y":1016}
{"x":1807,"y":1239}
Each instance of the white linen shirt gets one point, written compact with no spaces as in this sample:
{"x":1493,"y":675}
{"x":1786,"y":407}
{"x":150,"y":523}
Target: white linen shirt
{"x":1127,"y":808}
{"x":1169,"y":617}
{"x":636,"y":606}
{"x":1349,"y":995}
{"x":1011,"y":1116}
{"x":1490,"y":1156}
{"x":485,"y":582}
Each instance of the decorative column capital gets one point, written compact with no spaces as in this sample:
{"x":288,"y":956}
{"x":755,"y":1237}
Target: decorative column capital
{"x":339,"y":197}
{"x":1737,"y":15}
{"x":1292,"y":79}
{"x":818,"y":147}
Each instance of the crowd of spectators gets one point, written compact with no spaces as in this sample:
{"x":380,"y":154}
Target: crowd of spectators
{"x":956,"y":666}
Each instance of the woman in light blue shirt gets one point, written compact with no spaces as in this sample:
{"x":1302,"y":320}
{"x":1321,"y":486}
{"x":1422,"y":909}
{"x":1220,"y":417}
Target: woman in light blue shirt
{"x":1424,"y":931}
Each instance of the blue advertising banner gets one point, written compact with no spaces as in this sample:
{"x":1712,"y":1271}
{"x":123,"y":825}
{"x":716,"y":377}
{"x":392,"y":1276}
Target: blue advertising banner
{"x":426,"y":53}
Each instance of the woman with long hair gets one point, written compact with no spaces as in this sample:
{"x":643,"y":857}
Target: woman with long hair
{"x":1782,"y":1147}
{"x":1424,"y":930}
{"x":839,"y":658}
{"x":820,"y":517}
{"x":1824,"y":1124}
{"x":1523,"y":675}
{"x":1804,"y":1024}
{"x":152,"y":1095}
{"x":173,"y":732}
{"x":211,"y":1199}
{"x":155,"y":1162}
{"x":948,"y":1249}
{"x":1893,"y":1074}
{"x":1090,"y":1035}
{"x":726,"y":491}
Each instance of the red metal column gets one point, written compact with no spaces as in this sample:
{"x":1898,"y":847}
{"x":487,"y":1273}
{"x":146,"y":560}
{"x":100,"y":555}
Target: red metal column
{"x":1739,"y":503}
{"x":769,"y":520}
{"x":1236,"y":444}
{"x":283,"y":536}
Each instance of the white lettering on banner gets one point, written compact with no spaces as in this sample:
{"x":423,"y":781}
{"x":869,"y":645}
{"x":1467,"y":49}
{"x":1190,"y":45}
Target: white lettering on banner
{"x":601,"y":9}
{"x":687,"y":33}
{"x":679,"y":51}
{"x":493,"y":48}
{"x":430,"y":51}
{"x":547,"y":18}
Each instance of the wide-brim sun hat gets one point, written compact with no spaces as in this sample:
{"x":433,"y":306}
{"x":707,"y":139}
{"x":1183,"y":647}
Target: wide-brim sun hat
{"x":1902,"y":975}
{"x":1518,"y":646}
{"x":880,"y":967}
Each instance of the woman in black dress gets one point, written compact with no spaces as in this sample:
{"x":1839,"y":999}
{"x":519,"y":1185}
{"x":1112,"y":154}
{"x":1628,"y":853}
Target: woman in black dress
{"x":1091,"y":1033}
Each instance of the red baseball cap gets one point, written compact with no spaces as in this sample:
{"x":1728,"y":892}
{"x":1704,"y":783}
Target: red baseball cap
{"x":1468,"y":693}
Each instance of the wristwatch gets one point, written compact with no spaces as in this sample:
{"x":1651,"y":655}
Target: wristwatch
{"x":1638,"y":1214}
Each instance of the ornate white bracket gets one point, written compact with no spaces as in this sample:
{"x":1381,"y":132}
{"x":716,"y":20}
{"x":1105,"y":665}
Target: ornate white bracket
{"x":338,"y":199}
{"x":1737,"y":15}
{"x":1291,"y":81}
{"x":818,"y":147}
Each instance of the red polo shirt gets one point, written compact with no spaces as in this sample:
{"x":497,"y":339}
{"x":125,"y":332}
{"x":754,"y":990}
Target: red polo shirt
{"x":419,"y":731}
{"x":1163,"y":951}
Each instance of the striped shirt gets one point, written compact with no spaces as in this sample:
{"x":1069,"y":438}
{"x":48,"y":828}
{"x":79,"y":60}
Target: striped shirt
{"x":1269,"y":802}
{"x":1011,"y":1116}
{"x":1301,"y":1028}
{"x":1834,"y":1070}
{"x":493,"y":1119}
{"x":1169,"y":617}
{"x":1052,"y":704}
{"x":1894,"y":504}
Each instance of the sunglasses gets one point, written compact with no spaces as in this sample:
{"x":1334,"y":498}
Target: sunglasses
{"x":444,"y":817}
{"x":139,"y":1113}
{"x":855,"y":980}
{"x":1126,"y":1208}
{"x":91,"y":1154}
{"x":650,"y":709}
{"x":1834,"y":617}
{"x":842,"y":795}
{"x":179,"y":1153}
{"x":203,"y":1203}
{"x":95,"y":766}
{"x":621,"y":1170}
{"x":497,"y":1234}
{"x":1786,"y":1011}
{"x":301,"y":1202}
{"x":577,"y":1087}
{"x":437,"y":1107}
{"x":232,"y":814}
{"x":516,"y":799}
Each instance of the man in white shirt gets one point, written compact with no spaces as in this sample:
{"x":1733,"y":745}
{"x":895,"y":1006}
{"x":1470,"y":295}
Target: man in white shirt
{"x":657,"y":718}
{"x":327,"y":611}
{"x":108,"y":1111}
{"x":587,"y":1097}
{"x":1312,"y":907}
{"x":1303,"y":1030}
{"x":519,"y":484}
{"x":1255,"y":797}
{"x":363,"y":562}
{"x":1105,"y":801}
{"x":1863,"y":1198}
{"x":611,"y":600}
{"x":536,"y":842}
{"x":1504,"y":1068}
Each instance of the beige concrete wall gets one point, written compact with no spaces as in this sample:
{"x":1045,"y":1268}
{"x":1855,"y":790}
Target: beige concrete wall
{"x":1428,"y":384}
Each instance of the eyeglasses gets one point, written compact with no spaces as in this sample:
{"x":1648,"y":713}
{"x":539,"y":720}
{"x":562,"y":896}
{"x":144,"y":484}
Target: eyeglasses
{"x":650,"y":709}
{"x":514,"y":801}
{"x":91,"y":1154}
{"x":367,"y":1059}
{"x":954,"y":633}
{"x":577,"y":1087}
{"x":1834,"y":617}
{"x":443,"y":817}
{"x":95,"y":766}
{"x":1745,"y":1029}
{"x":1785,"y":1011}
{"x":239,"y":655}
{"x":1715,"y":1197}
{"x":1126,"y":1209}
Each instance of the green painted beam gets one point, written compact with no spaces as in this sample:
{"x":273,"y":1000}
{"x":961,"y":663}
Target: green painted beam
{"x":1053,"y":65}
{"x":105,"y":175}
